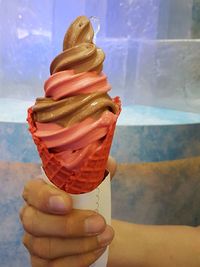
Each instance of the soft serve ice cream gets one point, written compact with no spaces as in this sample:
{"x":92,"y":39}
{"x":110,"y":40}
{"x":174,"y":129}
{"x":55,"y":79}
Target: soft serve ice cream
{"x":73,"y":124}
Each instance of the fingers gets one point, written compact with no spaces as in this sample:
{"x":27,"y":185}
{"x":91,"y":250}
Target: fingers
{"x":81,"y":260}
{"x":111,"y":166}
{"x":77,"y":223}
{"x":46,"y":198}
{"x":38,"y":262}
{"x":53,"y":248}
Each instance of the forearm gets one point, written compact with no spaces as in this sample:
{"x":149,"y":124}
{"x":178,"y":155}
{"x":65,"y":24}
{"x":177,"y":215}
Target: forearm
{"x":154,"y":246}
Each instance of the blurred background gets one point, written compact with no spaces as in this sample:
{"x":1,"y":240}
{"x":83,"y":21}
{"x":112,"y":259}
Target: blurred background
{"x":152,"y":47}
{"x":153,"y":63}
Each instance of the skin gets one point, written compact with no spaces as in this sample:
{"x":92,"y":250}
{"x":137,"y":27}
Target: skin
{"x":56,"y":235}
{"x":154,"y":246}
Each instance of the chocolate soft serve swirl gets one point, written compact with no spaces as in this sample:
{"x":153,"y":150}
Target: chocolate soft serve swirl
{"x":71,"y":110}
{"x":79,"y":51}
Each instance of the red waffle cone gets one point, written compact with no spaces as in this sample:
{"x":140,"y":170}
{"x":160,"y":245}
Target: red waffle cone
{"x":88,"y":176}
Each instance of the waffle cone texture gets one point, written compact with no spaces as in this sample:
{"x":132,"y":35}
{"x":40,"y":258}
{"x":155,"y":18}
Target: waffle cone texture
{"x":89,"y":175}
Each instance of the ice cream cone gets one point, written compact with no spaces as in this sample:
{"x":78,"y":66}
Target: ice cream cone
{"x":88,"y":176}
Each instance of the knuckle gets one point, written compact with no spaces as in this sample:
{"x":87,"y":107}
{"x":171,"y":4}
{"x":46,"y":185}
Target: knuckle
{"x":28,"y":218}
{"x":83,"y":247}
{"x":42,"y":192}
{"x":69,"y":227}
{"x":21,"y":212}
{"x":89,"y":245}
{"x":25,"y":192}
{"x":87,"y":259}
{"x":41,"y":247}
{"x":83,"y":260}
{"x":30,"y":187}
{"x":25,"y":241}
{"x":38,"y":262}
{"x":37,"y":247}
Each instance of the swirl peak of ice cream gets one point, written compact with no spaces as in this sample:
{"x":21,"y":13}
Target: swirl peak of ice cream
{"x":80,"y":31}
{"x":79,"y":51}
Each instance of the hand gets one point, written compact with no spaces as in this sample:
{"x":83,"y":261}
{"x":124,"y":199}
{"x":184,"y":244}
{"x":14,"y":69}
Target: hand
{"x":57,"y":235}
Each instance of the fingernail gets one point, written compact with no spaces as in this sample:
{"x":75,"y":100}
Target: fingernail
{"x":57,"y":204}
{"x":94,"y":224}
{"x":106,"y":237}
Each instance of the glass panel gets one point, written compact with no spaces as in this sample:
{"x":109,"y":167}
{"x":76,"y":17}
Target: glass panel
{"x":26,"y":47}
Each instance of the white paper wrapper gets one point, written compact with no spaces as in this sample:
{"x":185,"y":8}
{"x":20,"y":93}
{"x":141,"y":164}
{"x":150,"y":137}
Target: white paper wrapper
{"x":98,"y":200}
